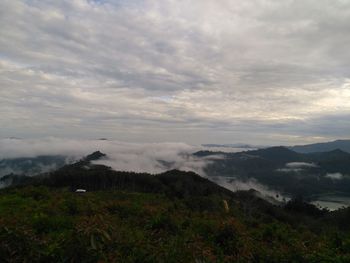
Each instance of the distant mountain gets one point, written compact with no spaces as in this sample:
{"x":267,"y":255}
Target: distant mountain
{"x":32,"y":165}
{"x":283,"y":170}
{"x":329,"y":156}
{"x":278,"y":154}
{"x":234,"y":145}
{"x":343,"y":145}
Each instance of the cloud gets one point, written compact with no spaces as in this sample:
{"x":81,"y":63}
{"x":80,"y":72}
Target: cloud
{"x":296,"y":167}
{"x":138,"y":157}
{"x":235,"y":184}
{"x":335,"y":176}
{"x":30,"y":169}
{"x":300,"y":165}
{"x":261,"y":71}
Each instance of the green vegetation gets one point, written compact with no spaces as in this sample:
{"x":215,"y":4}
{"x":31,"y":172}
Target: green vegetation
{"x":40,"y":224}
{"x":171,"y":217}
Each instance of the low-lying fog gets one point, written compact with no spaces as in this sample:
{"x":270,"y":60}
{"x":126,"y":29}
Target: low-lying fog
{"x":143,"y":157}
{"x":137,"y":157}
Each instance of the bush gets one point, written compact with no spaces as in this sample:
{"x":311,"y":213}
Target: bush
{"x":45,"y":224}
{"x":164,"y":222}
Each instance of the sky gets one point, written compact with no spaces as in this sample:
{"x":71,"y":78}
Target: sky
{"x":264,"y":72}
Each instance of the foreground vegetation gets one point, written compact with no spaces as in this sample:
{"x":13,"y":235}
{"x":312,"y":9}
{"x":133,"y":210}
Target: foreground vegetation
{"x":170,"y":217}
{"x":39,"y":224}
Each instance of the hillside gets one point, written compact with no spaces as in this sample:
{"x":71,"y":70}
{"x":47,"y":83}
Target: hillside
{"x":284,"y":170}
{"x":170,"y":217}
{"x":278,"y":154}
{"x":32,"y":165}
{"x":343,"y":145}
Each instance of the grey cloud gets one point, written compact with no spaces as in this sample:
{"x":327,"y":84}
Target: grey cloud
{"x":168,"y":70}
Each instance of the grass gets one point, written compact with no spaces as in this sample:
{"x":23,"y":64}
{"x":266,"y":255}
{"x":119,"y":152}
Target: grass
{"x":39,"y":224}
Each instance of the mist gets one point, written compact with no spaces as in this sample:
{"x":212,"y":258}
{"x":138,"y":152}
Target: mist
{"x":123,"y":156}
{"x":296,"y":167}
{"x":137,"y":157}
{"x":300,"y":165}
{"x":233,"y":184}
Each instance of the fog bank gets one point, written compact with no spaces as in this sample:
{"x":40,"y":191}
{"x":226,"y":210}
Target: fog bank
{"x":137,"y":157}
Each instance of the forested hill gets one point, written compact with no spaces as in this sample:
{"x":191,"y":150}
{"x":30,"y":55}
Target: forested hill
{"x":84,"y":174}
{"x":170,"y":217}
{"x":285,"y":170}
{"x":343,"y":145}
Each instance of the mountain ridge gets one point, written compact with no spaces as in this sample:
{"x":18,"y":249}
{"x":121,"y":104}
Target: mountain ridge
{"x":343,"y":145}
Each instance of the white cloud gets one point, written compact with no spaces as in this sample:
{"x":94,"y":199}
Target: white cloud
{"x":138,"y":157}
{"x":296,"y":167}
{"x":235,"y":184}
{"x":335,"y":176}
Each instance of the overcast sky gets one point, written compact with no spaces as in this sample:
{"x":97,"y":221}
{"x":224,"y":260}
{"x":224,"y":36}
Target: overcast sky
{"x":197,"y":71}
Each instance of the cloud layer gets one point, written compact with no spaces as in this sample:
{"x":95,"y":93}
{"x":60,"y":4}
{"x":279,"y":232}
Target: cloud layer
{"x":260,"y":71}
{"x":137,"y":157}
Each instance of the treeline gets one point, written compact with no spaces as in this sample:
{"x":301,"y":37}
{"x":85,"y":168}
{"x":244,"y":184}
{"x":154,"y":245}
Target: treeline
{"x":91,"y":177}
